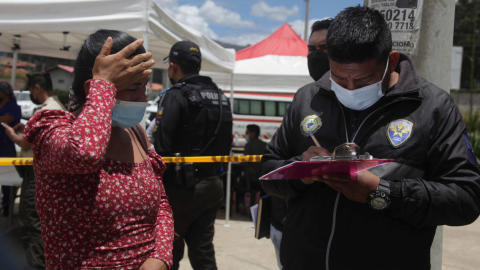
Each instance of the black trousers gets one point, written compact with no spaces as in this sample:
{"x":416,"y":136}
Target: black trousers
{"x":29,"y":222}
{"x":5,"y":195}
{"x":194,"y":213}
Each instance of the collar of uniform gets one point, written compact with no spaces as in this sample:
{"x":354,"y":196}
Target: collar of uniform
{"x":196,"y":79}
{"x":50,"y":100}
{"x":408,"y":81}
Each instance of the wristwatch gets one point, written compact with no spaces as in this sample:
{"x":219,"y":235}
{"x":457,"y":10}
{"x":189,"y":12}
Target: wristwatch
{"x":379,"y":199}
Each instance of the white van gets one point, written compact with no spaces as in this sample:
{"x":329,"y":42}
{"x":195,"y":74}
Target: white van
{"x":264,"y":110}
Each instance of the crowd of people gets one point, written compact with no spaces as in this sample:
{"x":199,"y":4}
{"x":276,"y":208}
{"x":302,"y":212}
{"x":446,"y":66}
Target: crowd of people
{"x":99,"y":195}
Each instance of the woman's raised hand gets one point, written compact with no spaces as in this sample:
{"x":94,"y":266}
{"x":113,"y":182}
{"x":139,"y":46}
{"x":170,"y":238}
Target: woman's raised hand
{"x":119,"y":68}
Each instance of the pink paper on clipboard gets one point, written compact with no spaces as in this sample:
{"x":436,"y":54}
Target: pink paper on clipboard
{"x":307,"y":169}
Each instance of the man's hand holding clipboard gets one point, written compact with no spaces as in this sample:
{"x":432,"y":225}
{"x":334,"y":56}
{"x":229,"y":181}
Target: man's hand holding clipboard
{"x":354,"y":190}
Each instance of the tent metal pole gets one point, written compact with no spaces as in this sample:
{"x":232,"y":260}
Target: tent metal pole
{"x":145,"y":42}
{"x":145,"y":32}
{"x":14,"y":68}
{"x":229,"y":173}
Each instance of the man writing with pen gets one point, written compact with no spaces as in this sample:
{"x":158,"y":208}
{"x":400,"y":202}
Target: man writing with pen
{"x":372,"y":97}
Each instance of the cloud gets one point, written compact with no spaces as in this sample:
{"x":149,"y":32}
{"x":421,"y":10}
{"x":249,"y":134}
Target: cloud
{"x":167,"y":5}
{"x":255,"y":37}
{"x":299,"y":25}
{"x":201,"y":18}
{"x":224,"y":17}
{"x":245,"y":39}
{"x":277,"y":13}
{"x":190,"y":15}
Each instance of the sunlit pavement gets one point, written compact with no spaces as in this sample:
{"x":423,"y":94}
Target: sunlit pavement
{"x":236,"y":248}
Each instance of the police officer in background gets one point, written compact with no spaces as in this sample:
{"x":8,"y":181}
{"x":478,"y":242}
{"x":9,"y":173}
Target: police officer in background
{"x":193,"y":119}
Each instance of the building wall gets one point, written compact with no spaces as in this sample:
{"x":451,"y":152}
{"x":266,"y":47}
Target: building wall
{"x":61,"y":79}
{"x":19,"y":82}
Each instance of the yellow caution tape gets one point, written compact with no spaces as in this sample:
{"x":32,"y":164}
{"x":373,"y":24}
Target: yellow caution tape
{"x":209,"y":159}
{"x":16,"y":161}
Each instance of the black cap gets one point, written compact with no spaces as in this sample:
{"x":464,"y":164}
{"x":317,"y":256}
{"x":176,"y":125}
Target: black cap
{"x":184,"y":50}
{"x":42,"y":79}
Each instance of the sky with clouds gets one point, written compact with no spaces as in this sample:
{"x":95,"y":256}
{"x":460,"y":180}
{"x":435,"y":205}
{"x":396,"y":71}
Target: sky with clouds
{"x":244,"y":22}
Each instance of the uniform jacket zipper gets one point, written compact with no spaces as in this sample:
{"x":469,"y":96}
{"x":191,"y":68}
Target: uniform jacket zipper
{"x":334,"y":219}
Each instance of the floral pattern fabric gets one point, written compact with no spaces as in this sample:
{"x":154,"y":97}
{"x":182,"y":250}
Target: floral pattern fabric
{"x":96,"y":213}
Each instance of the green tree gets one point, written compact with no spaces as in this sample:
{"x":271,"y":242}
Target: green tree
{"x":463,"y":34}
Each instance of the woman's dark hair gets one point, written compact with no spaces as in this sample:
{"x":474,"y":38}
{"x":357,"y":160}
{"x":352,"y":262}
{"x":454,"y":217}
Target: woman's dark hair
{"x":86,"y":59}
{"x":6,"y":89}
{"x":358,"y":34}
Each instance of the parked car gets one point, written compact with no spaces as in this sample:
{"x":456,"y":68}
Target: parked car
{"x":24,"y":101}
{"x":151,"y":111}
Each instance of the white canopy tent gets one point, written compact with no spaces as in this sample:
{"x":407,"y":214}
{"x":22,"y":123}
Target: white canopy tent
{"x":277,"y":64}
{"x":58,"y":28}
{"x":278,"y":74}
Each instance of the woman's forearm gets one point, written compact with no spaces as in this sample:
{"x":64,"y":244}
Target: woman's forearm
{"x":20,"y":141}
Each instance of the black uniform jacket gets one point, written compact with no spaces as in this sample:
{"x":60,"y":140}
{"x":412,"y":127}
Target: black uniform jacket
{"x":433,"y":180}
{"x":186,"y":129}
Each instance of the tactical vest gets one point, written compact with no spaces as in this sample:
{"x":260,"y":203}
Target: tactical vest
{"x":207,"y":127}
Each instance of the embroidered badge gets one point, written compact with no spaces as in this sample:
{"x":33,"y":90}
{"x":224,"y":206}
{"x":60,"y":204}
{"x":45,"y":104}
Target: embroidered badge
{"x":471,"y":152}
{"x":399,"y":131}
{"x":310,"y":125}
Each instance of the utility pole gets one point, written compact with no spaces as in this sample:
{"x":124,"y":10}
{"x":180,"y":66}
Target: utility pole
{"x":433,"y":60}
{"x":472,"y":62}
{"x":306,"y":20}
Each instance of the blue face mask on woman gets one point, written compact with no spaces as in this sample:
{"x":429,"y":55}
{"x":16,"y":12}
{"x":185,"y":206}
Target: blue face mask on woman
{"x":361,"y":98}
{"x":128,"y":114}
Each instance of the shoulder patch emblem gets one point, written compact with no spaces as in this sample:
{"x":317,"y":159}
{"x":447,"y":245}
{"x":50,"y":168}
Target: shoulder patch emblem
{"x":160,"y":113}
{"x":471,"y":152}
{"x":311,"y":124}
{"x":278,"y":129}
{"x":399,"y":131}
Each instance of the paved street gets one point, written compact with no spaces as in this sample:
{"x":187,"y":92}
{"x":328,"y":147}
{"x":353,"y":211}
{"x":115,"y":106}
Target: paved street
{"x":237,"y":249}
{"x":461,"y":247}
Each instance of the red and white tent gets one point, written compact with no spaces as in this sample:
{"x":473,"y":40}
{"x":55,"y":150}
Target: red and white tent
{"x":277,"y":64}
{"x":283,"y":42}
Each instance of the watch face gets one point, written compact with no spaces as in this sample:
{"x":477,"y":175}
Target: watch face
{"x":378,"y":203}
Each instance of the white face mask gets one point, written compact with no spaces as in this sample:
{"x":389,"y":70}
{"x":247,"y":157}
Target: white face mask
{"x":127,"y":114}
{"x":361,"y":98}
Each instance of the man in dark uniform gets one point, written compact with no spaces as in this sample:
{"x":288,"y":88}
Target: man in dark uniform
{"x":387,"y":217}
{"x":254,"y":146}
{"x":318,"y":65}
{"x":194,"y":119}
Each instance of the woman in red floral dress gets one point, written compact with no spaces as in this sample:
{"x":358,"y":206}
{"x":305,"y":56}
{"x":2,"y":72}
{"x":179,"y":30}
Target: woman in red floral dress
{"x":99,"y":195}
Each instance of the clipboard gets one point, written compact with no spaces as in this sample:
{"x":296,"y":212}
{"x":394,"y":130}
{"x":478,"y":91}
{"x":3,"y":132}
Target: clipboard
{"x":307,"y":169}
